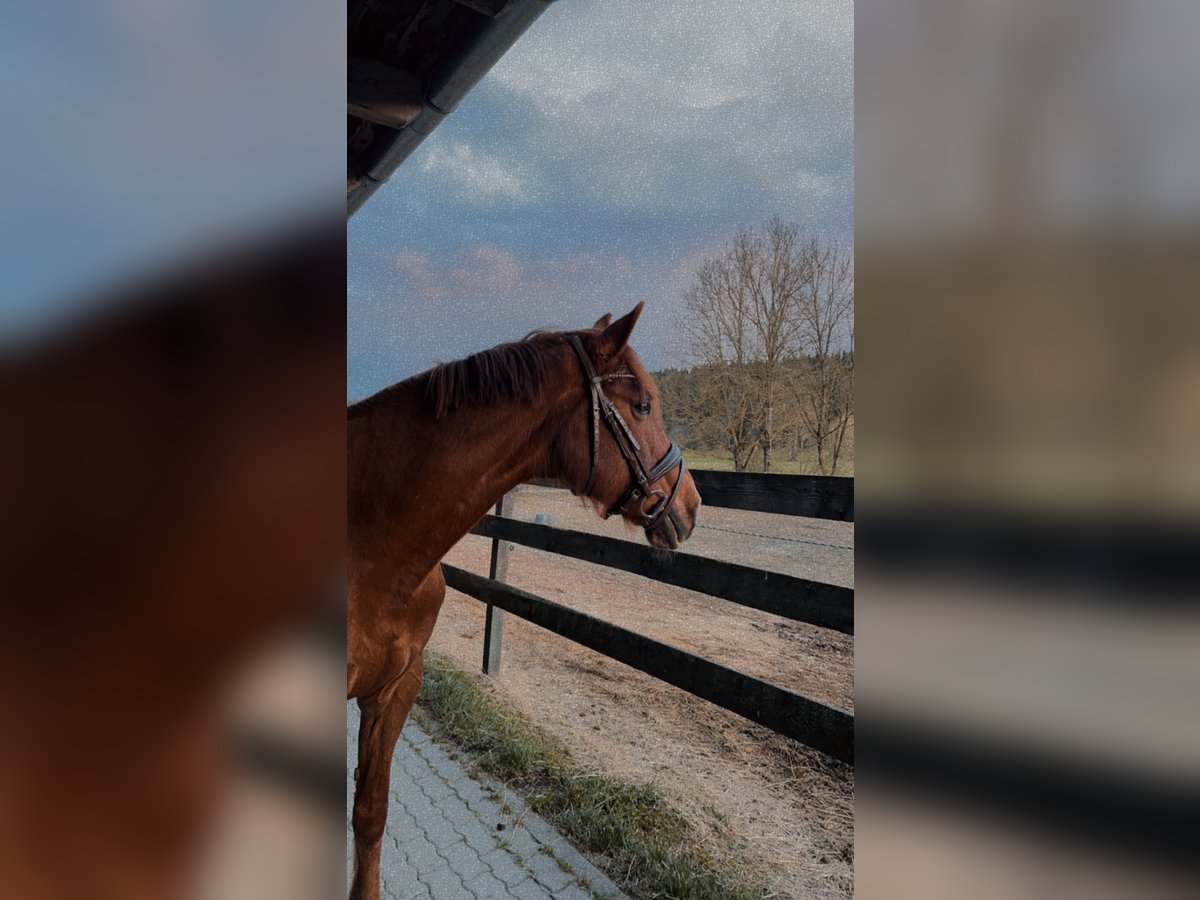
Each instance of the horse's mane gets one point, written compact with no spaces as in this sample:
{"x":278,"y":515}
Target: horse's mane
{"x":514,"y":371}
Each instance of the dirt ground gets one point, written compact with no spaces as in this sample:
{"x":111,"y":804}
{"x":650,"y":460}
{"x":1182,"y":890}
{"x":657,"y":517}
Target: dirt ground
{"x":767,"y":801}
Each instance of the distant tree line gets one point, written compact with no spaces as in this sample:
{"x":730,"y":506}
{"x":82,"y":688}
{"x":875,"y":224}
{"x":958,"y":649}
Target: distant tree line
{"x":767,"y":330}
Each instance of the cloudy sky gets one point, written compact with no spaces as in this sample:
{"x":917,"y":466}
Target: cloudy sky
{"x":612,"y":150}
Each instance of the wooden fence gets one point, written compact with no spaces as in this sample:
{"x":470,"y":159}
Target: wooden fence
{"x":822,"y":726}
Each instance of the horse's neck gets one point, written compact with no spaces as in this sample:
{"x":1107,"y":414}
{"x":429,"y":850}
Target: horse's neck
{"x":434,"y":479}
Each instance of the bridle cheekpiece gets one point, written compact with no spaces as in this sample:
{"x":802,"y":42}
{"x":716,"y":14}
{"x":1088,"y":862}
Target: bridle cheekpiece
{"x":642,"y":487}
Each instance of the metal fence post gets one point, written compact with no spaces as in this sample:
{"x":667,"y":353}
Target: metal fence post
{"x":493,"y":629}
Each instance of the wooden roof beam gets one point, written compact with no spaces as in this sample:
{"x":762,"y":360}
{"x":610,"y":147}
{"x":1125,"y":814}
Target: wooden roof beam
{"x":490,"y":8}
{"x":381,"y":93}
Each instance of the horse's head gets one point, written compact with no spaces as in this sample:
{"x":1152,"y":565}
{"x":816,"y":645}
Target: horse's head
{"x":616,"y":451}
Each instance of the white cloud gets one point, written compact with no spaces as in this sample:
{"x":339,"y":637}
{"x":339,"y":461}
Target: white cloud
{"x":475,"y":173}
{"x":416,"y":269}
{"x":488,"y":270}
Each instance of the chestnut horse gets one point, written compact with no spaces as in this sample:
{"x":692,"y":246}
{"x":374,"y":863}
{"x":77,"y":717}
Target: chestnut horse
{"x":428,"y":457}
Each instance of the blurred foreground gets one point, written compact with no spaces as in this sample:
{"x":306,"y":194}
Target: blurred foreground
{"x":172,"y":636}
{"x":1028,"y":469}
{"x":172,"y":265}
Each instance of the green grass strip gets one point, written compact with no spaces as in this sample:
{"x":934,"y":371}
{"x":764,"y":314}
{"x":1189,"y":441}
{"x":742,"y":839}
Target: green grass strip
{"x":629,"y":829}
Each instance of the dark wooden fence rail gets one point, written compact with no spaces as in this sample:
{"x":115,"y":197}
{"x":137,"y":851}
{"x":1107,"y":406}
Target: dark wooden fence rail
{"x":809,"y":496}
{"x":826,"y":605}
{"x":827,"y":728}
{"x":824,"y":727}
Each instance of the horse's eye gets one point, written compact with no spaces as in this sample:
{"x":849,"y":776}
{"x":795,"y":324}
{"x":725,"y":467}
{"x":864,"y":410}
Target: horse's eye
{"x":643,"y":408}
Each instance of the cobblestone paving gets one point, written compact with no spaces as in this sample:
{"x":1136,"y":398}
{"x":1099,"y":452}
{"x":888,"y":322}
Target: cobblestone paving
{"x":449,"y":836}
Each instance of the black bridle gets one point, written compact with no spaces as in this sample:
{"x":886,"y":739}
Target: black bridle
{"x":642,"y":487}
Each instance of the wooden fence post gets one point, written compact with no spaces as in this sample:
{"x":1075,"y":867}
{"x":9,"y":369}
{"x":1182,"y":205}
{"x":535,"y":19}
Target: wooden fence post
{"x":493,"y":629}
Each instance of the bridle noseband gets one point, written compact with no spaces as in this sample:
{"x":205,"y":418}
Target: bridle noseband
{"x":643,"y":481}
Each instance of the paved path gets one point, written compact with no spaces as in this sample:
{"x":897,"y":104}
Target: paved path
{"x":451,"y":837}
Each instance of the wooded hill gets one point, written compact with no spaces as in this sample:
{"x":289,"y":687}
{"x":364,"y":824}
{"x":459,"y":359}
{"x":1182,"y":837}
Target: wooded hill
{"x":799,"y":418}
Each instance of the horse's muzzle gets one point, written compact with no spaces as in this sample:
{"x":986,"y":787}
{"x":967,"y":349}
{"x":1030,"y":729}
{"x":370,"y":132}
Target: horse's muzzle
{"x":671,"y":531}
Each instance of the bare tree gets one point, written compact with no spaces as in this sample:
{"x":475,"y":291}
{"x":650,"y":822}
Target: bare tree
{"x":822,"y":381}
{"x":716,"y":325}
{"x":768,"y":326}
{"x":742,"y":324}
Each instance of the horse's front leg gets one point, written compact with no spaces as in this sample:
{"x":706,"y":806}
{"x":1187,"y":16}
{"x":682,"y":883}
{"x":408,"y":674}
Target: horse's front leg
{"x":383,"y":716}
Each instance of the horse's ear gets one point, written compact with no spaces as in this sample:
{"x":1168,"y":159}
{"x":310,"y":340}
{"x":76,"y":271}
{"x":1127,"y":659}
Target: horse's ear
{"x":615,"y":336}
{"x":603,"y":322}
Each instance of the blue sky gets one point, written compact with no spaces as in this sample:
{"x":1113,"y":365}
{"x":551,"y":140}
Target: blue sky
{"x":612,"y":150}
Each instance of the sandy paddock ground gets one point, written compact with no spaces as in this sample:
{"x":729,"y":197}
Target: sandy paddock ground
{"x":767,"y":801}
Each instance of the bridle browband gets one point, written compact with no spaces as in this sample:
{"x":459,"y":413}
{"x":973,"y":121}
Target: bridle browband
{"x":643,"y":481}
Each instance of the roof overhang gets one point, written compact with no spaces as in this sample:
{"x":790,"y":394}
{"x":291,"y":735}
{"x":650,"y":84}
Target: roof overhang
{"x":410,"y":63}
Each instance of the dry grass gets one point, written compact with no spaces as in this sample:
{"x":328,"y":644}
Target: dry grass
{"x":629,"y":829}
{"x":805,"y":462}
